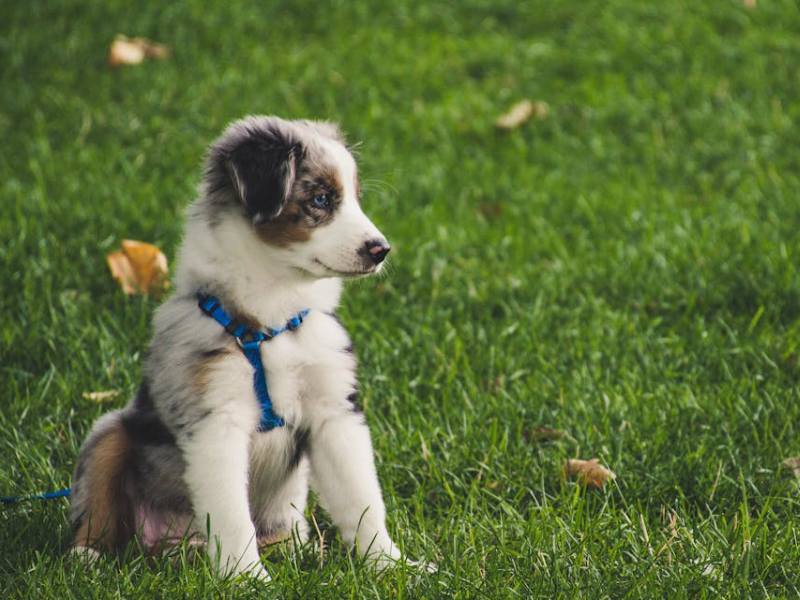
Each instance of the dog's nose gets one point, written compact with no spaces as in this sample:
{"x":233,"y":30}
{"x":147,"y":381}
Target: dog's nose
{"x":377,"y":250}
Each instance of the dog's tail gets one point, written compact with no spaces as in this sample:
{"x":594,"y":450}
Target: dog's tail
{"x":102,"y":506}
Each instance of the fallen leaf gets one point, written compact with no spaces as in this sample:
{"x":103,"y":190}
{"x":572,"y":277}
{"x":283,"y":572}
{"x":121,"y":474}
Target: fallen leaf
{"x":521,"y":112}
{"x":588,"y":472}
{"x":515,"y":116}
{"x":101,"y":397}
{"x":126,"y":51}
{"x":793,"y":465}
{"x":122,"y":271}
{"x":149,"y":264}
{"x":749,"y":3}
{"x":140,"y":268}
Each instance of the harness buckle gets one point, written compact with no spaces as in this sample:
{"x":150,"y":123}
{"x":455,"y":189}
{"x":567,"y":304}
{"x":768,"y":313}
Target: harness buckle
{"x":294,"y":322}
{"x":248,"y":344}
{"x":251,"y":337}
{"x":208,"y":304}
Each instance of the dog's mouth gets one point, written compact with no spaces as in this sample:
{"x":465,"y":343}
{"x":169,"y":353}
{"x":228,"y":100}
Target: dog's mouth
{"x":346,"y":274}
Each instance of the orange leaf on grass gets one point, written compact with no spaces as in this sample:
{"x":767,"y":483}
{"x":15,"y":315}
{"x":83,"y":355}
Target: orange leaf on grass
{"x":588,"y":472}
{"x":127,"y":51}
{"x":140,"y":268}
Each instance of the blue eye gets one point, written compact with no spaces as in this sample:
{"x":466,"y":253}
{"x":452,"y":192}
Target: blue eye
{"x":321,"y":201}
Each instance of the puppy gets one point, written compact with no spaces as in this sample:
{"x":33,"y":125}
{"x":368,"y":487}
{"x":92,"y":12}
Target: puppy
{"x":276,"y":228}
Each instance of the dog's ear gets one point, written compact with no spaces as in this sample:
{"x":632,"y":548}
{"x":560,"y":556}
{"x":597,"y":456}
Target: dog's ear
{"x":262,"y":172}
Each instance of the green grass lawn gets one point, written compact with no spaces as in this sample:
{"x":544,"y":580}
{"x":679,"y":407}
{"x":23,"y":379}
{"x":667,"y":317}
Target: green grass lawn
{"x":622,"y":269}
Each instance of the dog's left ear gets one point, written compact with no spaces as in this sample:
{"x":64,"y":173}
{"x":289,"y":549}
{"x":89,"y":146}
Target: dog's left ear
{"x":262,"y":172}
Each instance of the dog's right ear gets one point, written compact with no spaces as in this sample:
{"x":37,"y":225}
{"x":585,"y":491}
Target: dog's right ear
{"x":262,"y":172}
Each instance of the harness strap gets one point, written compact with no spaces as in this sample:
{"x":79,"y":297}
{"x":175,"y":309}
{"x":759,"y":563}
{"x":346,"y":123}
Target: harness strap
{"x":250,"y":342}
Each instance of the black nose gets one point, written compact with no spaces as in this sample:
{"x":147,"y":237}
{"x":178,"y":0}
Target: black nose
{"x":377,"y":250}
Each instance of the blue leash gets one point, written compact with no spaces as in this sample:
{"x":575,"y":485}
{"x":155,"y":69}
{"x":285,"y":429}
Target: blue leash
{"x":47,"y":496}
{"x":250,"y":342}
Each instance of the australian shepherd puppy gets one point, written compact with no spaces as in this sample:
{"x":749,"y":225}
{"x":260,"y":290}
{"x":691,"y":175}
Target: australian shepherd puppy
{"x":276,"y":228}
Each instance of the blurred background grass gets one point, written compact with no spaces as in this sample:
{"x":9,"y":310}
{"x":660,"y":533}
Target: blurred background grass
{"x":621,"y":268}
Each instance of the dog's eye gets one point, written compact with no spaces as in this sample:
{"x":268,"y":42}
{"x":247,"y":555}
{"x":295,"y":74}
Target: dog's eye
{"x":321,"y":201}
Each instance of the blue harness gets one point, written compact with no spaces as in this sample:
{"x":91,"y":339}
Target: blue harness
{"x":250,"y":341}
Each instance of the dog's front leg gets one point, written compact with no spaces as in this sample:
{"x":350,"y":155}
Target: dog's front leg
{"x":344,"y":476}
{"x":217,"y":463}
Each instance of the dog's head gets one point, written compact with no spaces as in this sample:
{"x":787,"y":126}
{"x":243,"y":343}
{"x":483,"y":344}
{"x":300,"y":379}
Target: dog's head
{"x":297,"y":184}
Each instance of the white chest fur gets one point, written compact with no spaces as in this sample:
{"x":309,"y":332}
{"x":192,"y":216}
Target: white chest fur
{"x":310,"y":370}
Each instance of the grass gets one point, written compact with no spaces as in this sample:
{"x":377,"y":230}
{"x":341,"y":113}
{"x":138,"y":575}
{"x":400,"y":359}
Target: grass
{"x":622,"y":269}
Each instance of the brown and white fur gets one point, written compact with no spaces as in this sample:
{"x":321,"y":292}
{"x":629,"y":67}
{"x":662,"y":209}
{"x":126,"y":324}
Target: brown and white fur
{"x":276,"y":227}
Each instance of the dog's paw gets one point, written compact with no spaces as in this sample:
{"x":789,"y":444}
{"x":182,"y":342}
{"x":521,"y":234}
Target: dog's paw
{"x":259,"y":573}
{"x":85,"y":554}
{"x":382,"y":561}
{"x":419,"y":565}
{"x":239,"y":569}
{"x":255,"y":571}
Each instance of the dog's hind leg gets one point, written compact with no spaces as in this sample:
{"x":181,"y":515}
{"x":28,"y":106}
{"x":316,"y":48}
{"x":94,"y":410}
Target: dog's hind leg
{"x":101,"y":508}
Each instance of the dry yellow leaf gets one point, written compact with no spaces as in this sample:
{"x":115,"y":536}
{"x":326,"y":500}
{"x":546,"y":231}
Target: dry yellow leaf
{"x":588,"y":472}
{"x":793,"y":465}
{"x":122,"y":271}
{"x":515,"y":116}
{"x":126,"y":51}
{"x":148,"y":262}
{"x":521,"y":112}
{"x":140,"y":268}
{"x":101,"y":396}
